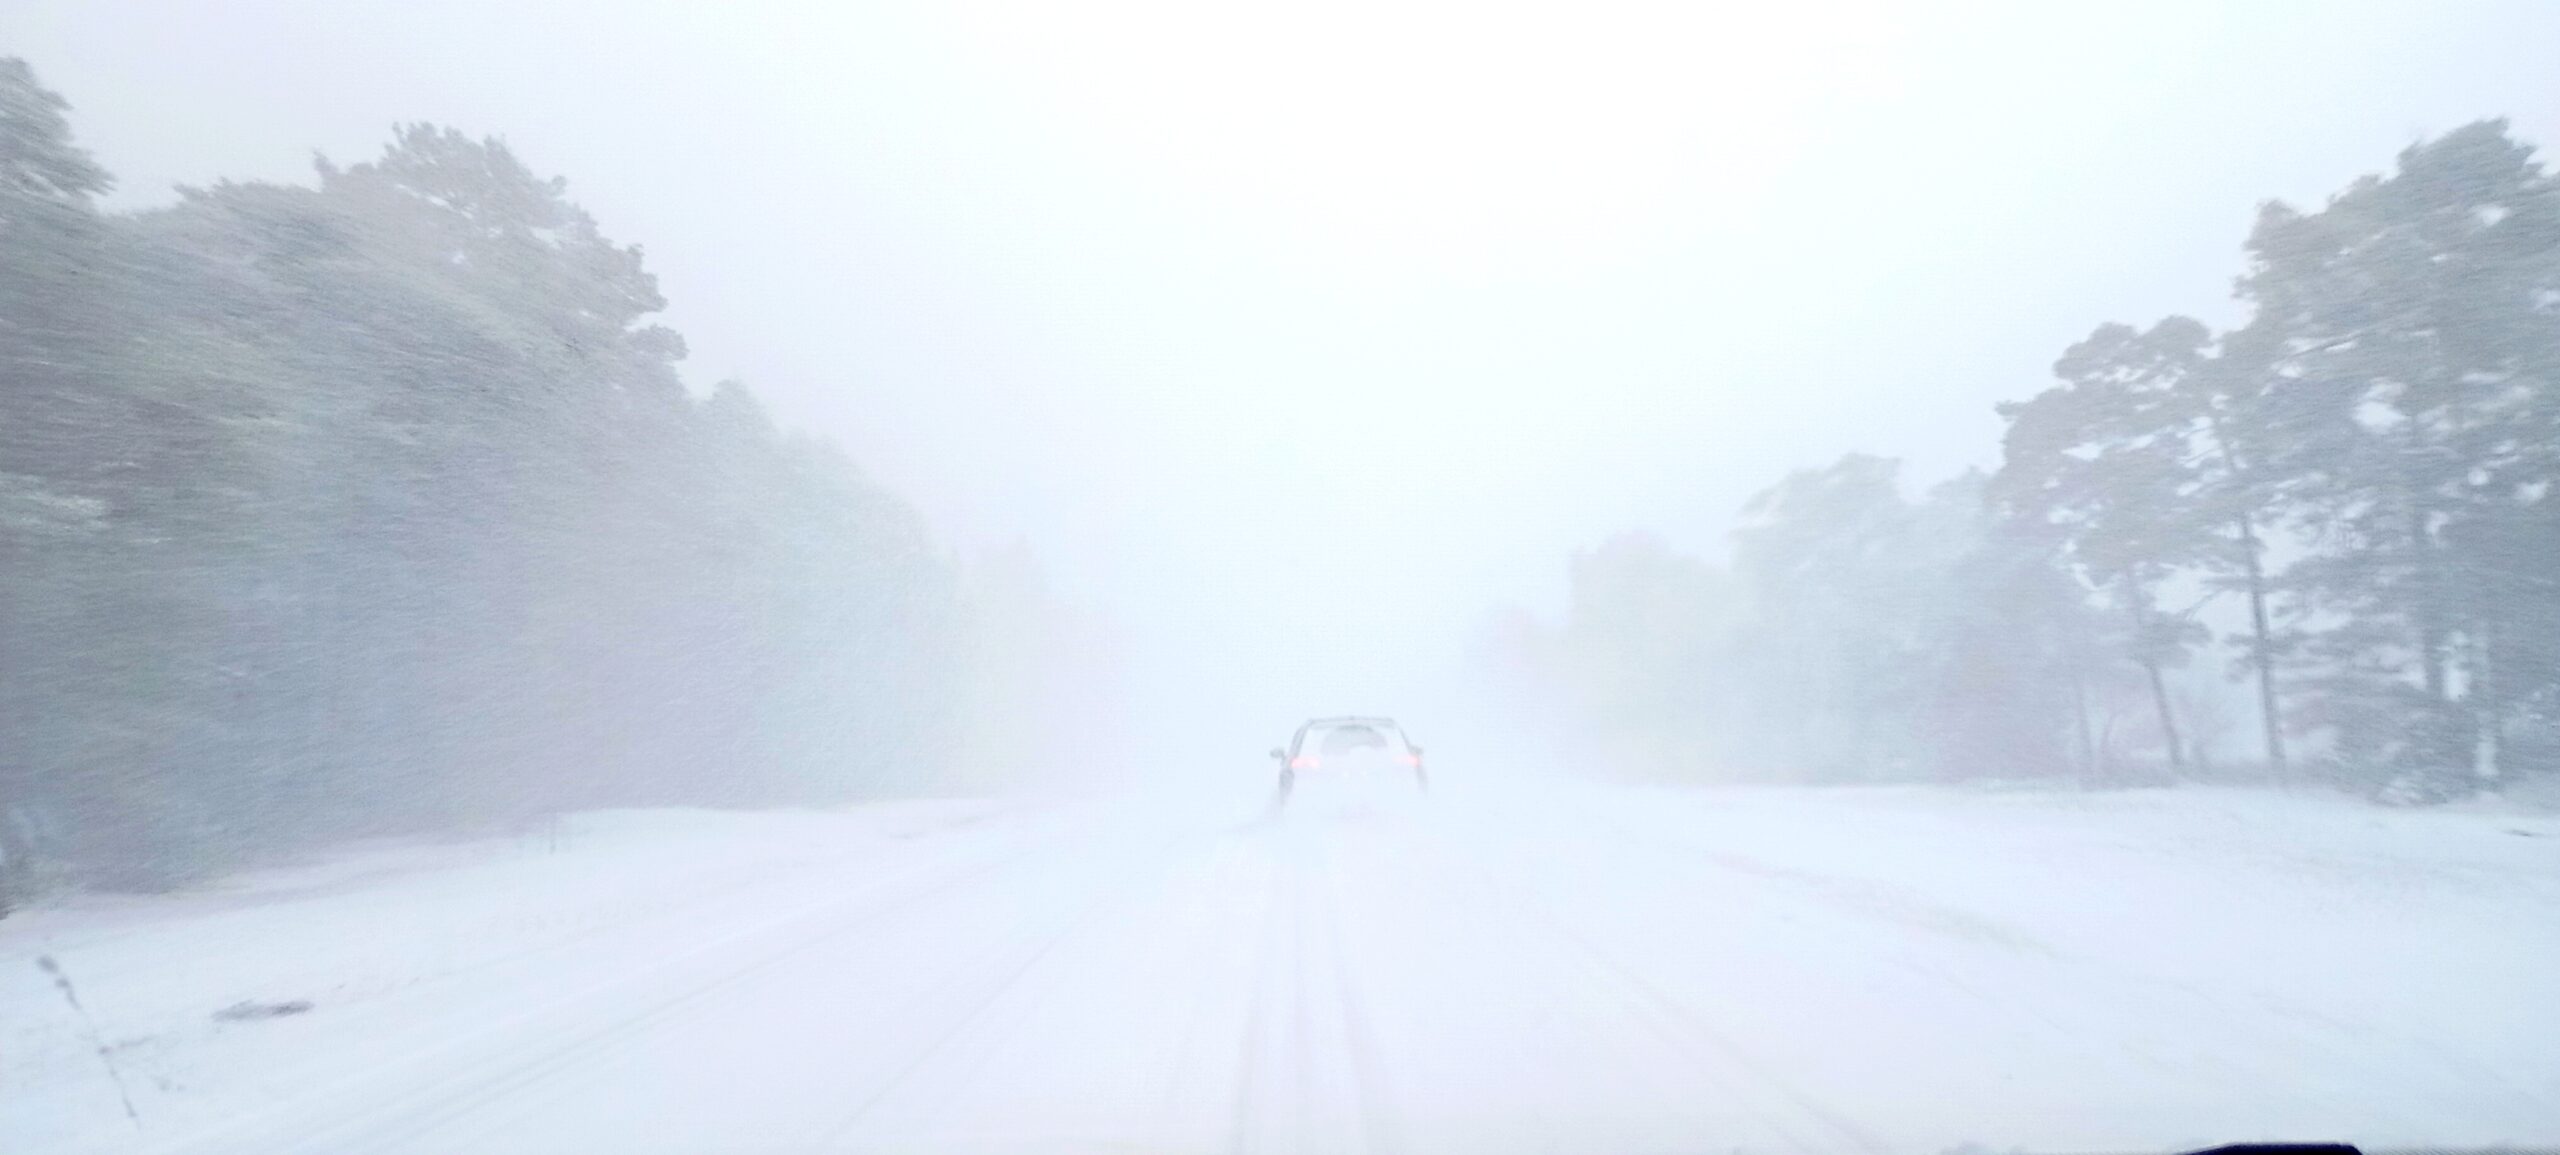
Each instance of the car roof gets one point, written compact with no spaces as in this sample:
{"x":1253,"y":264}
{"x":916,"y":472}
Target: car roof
{"x":1339,"y":721}
{"x":1350,"y":720}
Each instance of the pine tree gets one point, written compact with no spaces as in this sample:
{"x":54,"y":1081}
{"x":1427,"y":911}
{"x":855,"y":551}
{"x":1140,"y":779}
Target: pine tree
{"x":2412,"y":329}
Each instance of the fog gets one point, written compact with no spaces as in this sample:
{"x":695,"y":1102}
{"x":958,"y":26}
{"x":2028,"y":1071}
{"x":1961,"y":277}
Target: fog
{"x":654,"y":576}
{"x":1294,"y":339}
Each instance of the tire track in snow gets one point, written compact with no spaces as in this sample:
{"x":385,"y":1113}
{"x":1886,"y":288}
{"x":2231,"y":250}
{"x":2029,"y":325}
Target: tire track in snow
{"x":2078,"y":1025}
{"x":1022,"y":954}
{"x":1370,"y":1088}
{"x":1651,"y":1005}
{"x":535,"y":1046}
{"x":1571,"y":971}
{"x":1861,"y":897}
{"x":1222,"y":919}
{"x":1413,"y":908}
{"x":1301,"y":1000}
{"x":1249,"y":1111}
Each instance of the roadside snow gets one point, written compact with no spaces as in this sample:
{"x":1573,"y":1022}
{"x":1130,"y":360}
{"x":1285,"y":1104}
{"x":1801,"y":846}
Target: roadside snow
{"x":395,"y":946}
{"x":2092,"y":967}
{"x":1556,"y":969}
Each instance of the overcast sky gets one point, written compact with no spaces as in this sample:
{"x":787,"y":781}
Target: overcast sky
{"x":1296,"y":336}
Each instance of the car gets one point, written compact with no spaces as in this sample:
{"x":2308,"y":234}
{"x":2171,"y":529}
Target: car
{"x":1350,"y":749}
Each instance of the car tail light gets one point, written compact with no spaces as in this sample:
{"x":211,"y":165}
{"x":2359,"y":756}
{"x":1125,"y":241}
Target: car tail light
{"x":1303,"y":762}
{"x":1409,"y":759}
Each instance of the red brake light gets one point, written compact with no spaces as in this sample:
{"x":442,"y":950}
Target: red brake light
{"x":1410,"y":759}
{"x":1303,"y":762}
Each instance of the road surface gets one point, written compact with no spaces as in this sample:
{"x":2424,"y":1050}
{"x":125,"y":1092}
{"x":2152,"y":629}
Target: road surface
{"x":1553,"y":971}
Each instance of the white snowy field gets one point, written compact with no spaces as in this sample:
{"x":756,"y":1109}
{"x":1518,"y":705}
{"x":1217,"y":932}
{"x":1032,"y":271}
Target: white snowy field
{"x":1577,"y":969}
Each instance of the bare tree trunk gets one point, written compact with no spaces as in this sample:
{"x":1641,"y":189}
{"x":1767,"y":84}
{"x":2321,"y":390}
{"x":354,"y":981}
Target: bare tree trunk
{"x":2080,"y":714}
{"x":2262,"y":645}
{"x":2262,"y":653}
{"x":2429,"y":594}
{"x":2168,"y":719}
{"x":2137,"y":605}
{"x":17,"y":861}
{"x":2489,"y":710}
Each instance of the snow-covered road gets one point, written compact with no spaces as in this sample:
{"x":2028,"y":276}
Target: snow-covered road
{"x":1550,"y":970}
